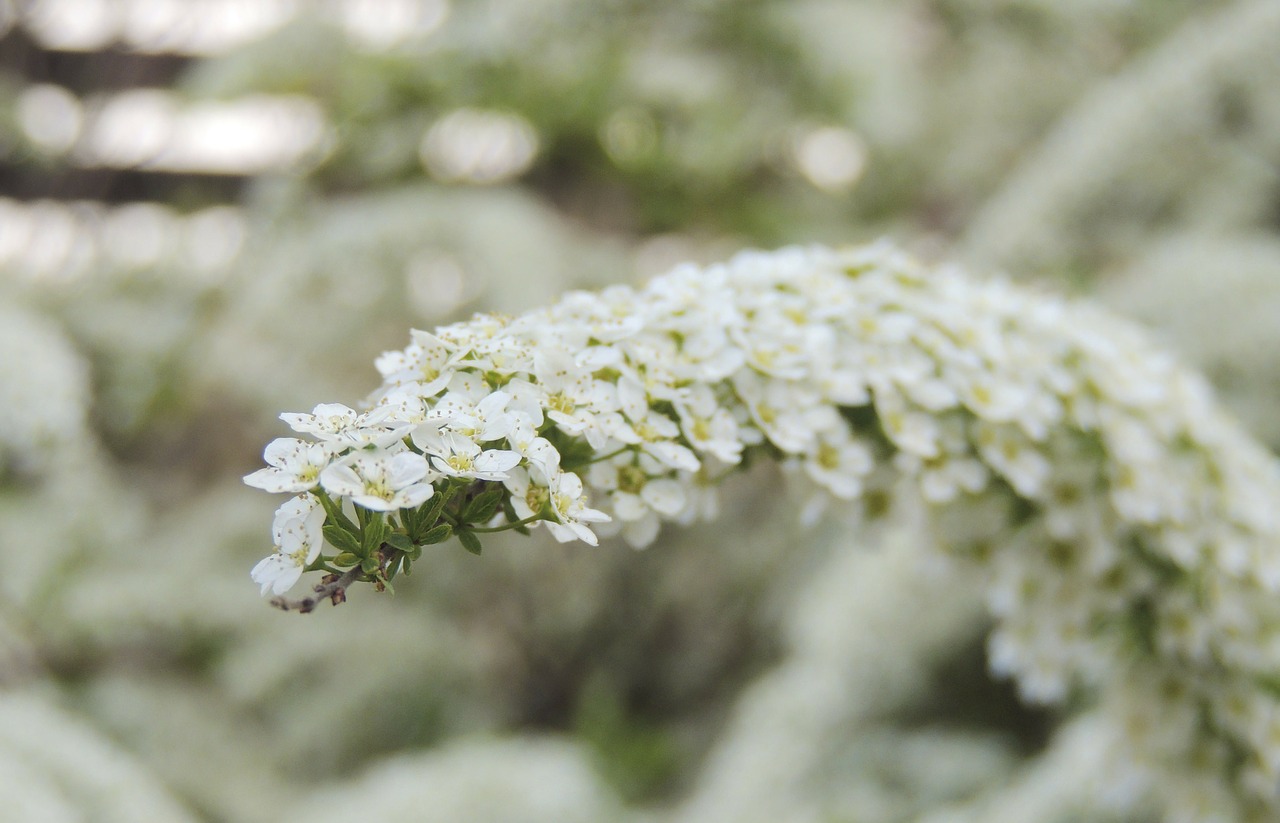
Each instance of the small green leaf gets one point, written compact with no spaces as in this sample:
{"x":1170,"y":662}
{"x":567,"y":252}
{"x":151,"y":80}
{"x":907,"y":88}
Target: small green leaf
{"x":469,"y":541}
{"x":401,"y":541}
{"x":370,"y":565}
{"x":342,"y":539}
{"x":439,"y":534}
{"x":429,"y":512}
{"x":346,"y":559}
{"x":409,"y":517}
{"x":375,"y":532}
{"x":334,"y":511}
{"x":484,"y":505}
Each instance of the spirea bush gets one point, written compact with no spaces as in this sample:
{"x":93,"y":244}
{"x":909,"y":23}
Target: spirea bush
{"x":1128,"y":532}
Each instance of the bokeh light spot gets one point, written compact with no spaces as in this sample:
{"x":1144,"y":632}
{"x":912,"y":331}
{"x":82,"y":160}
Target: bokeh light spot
{"x":831,"y":157}
{"x":479,"y":146}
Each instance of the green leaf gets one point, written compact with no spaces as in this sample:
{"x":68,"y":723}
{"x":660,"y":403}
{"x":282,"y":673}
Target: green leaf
{"x":484,"y":505}
{"x":370,"y":565}
{"x":346,"y":559}
{"x":431,"y":511}
{"x":439,"y":534}
{"x":401,"y":541}
{"x":409,"y":517}
{"x":469,"y":541}
{"x":428,"y":514}
{"x":334,"y":512}
{"x":375,"y":532}
{"x":341,"y":539}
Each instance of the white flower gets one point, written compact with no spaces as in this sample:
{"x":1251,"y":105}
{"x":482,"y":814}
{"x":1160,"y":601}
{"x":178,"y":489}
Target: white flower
{"x":648,"y":373}
{"x":342,"y":425}
{"x":839,"y":463}
{"x":483,"y":421}
{"x":638,"y":499}
{"x":298,"y":537}
{"x":914,"y":431}
{"x":406,"y":401}
{"x":279,"y":572}
{"x":428,"y":361}
{"x":380,"y":481}
{"x":609,"y":316}
{"x":784,"y":410}
{"x":295,"y":465}
{"x":997,"y":398}
{"x":1011,"y":453}
{"x":542,"y":459}
{"x":655,"y":434}
{"x":303,"y":509}
{"x":709,"y":426}
{"x":941,"y":481}
{"x":776,"y":349}
{"x":526,"y":401}
{"x":574,"y":397}
{"x":569,"y":505}
{"x":457,"y":456}
{"x":527,"y":497}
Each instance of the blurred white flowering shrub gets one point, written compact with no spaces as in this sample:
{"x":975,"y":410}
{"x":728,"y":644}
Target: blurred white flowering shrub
{"x":44,"y":394}
{"x":1185,"y":137}
{"x":489,"y":781}
{"x":56,"y":770}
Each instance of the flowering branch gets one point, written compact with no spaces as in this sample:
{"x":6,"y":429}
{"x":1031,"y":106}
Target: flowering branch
{"x":1128,"y":530}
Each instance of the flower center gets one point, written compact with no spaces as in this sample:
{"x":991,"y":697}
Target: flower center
{"x":537,"y":498}
{"x":378,"y":487}
{"x":631,"y":479}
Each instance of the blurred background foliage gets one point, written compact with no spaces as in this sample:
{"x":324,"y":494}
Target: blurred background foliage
{"x":214,"y":211}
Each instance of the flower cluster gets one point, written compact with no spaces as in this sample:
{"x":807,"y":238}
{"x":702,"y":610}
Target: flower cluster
{"x":1133,"y":535}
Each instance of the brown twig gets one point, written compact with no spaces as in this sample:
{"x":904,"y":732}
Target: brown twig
{"x":333,"y":588}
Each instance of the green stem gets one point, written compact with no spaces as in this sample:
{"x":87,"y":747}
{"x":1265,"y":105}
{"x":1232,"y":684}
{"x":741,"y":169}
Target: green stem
{"x":531,"y":519}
